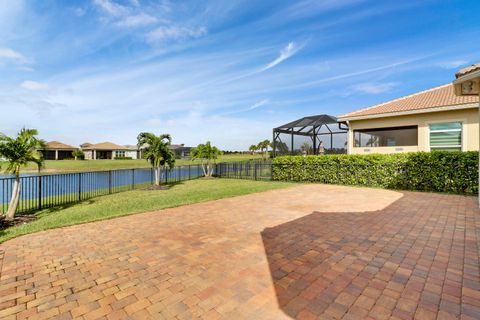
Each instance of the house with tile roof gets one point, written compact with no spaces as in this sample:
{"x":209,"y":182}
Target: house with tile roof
{"x":106,"y":150}
{"x":56,"y":150}
{"x":434,"y":119}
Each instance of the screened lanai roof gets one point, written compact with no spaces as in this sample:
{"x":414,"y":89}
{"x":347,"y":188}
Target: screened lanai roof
{"x":310,"y":122}
{"x":311,"y":135}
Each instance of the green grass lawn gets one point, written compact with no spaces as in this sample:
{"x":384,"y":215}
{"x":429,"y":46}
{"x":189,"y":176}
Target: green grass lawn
{"x":137,"y":201}
{"x":90,"y":165}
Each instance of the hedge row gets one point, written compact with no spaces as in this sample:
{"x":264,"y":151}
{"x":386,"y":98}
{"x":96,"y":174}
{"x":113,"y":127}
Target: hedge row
{"x":440,"y":171}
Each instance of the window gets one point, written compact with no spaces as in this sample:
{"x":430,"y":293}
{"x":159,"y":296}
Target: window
{"x":119,"y":154}
{"x":386,"y":137}
{"x":446,"y":136}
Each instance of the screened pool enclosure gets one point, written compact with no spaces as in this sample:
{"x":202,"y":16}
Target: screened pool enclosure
{"x":320,"y":134}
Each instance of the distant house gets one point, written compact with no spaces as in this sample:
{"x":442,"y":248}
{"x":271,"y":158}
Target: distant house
{"x":180,"y":150}
{"x":106,"y":150}
{"x":434,"y":119}
{"x":56,"y":150}
{"x":134,"y":152}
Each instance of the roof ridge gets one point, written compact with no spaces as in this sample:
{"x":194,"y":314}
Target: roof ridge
{"x":394,"y":100}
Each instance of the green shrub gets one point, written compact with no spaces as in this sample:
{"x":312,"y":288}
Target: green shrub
{"x":123,"y":158}
{"x":440,"y":171}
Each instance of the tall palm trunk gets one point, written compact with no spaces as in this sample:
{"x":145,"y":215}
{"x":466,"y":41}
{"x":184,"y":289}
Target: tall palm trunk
{"x":12,"y":206}
{"x":157,"y":176}
{"x":204,"y":168}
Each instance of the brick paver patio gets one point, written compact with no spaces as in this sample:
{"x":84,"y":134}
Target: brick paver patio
{"x":308,"y":252}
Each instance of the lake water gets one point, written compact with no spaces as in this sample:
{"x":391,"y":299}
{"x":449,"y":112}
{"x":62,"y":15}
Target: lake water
{"x":55,"y":189}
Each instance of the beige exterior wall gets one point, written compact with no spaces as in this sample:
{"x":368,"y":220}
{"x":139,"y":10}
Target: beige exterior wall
{"x":468,"y":117}
{"x":131,"y":153}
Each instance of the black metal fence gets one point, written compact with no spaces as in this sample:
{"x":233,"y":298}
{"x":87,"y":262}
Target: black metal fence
{"x":252,"y":170}
{"x":43,"y":191}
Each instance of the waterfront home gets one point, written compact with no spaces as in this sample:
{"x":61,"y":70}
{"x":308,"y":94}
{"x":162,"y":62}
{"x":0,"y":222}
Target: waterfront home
{"x":106,"y":150}
{"x":56,"y":150}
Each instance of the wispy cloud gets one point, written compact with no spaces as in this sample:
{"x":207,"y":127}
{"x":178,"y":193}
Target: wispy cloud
{"x":34,"y":86}
{"x":291,"y":49}
{"x":254,"y":106}
{"x":287,"y":52}
{"x":111,"y":7}
{"x":10,"y":54}
{"x":374,"y":88}
{"x":166,"y":33}
{"x":258,"y":104}
{"x":139,"y":20}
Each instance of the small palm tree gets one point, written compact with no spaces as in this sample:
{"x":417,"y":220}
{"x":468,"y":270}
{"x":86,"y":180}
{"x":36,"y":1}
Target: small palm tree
{"x":156,"y":150}
{"x":253,"y":148}
{"x":78,"y":154}
{"x":19,"y":152}
{"x":306,"y":148}
{"x":372,"y":141}
{"x":206,"y":153}
{"x":263,"y":146}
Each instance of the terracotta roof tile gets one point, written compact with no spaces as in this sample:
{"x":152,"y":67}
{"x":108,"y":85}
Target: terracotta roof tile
{"x":467,"y":70}
{"x":433,"y":98}
{"x":106,"y":146}
{"x":58,"y":145}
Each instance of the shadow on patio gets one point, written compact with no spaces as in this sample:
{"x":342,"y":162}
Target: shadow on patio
{"x":410,"y":259}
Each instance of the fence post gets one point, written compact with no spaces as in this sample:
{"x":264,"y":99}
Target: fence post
{"x":151,"y":176}
{"x":110,"y":181}
{"x":189,"y":173}
{"x":79,"y":186}
{"x":133,"y":179}
{"x":40,"y":192}
{"x":255,"y":170}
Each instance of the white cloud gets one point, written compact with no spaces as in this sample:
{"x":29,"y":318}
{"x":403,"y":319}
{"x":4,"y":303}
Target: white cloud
{"x":175,"y":33}
{"x":252,"y":107}
{"x":111,"y":7}
{"x":10,"y":54}
{"x":138,"y":20}
{"x":374,"y":88}
{"x":136,"y":3}
{"x":34,"y":86}
{"x":259,"y":104}
{"x":287,"y":52}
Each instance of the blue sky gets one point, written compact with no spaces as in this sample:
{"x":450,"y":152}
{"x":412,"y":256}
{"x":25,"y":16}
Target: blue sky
{"x":225,"y":71}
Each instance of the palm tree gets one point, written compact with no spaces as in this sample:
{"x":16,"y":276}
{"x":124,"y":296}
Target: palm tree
{"x":306,"y":148}
{"x":156,"y":151}
{"x":372,"y":141}
{"x":78,"y":154}
{"x":19,"y":152}
{"x":206,"y":153}
{"x":282,"y":147}
{"x":263,"y":146}
{"x":253,"y":148}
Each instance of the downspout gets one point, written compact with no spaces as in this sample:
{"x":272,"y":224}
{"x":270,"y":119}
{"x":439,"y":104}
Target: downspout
{"x":349,"y":141}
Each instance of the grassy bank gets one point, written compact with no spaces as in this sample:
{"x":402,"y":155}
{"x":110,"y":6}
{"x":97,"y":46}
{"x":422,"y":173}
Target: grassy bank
{"x":98,"y":165}
{"x":137,"y":201}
